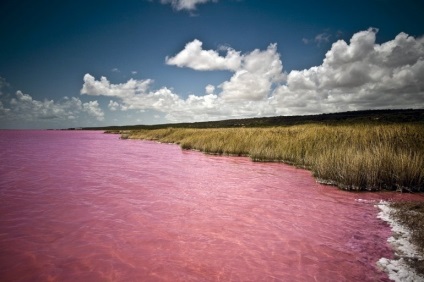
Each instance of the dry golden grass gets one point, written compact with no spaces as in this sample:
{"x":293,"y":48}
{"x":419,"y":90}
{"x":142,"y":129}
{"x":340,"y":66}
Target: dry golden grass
{"x":353,"y":157}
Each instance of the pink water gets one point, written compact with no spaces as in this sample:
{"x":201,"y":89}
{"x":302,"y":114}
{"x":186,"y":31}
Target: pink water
{"x":86,"y":206}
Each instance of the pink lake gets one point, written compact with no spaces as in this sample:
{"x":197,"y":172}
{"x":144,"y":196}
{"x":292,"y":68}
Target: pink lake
{"x":86,"y":206}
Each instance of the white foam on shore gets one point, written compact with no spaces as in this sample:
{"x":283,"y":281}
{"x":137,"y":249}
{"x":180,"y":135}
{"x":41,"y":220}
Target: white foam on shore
{"x":398,"y":269}
{"x":365,"y":201}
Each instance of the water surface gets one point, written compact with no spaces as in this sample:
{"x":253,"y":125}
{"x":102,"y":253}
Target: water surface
{"x":86,"y":206}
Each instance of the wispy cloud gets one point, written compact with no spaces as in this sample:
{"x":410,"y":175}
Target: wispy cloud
{"x":318,"y":39}
{"x":3,"y":84}
{"x":322,"y":38}
{"x":188,"y":5}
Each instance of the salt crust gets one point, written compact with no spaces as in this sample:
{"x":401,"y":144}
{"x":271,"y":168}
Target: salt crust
{"x":398,"y":269}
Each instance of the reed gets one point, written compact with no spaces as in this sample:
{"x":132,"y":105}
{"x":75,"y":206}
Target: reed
{"x":353,"y":157}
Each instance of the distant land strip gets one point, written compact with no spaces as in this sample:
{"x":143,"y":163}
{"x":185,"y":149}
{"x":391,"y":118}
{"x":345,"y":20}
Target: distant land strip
{"x":367,"y":116}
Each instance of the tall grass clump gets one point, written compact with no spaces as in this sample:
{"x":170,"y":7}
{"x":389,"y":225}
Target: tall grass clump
{"x":353,"y":157}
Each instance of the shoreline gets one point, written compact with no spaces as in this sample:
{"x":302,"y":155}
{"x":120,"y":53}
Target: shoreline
{"x":353,"y":157}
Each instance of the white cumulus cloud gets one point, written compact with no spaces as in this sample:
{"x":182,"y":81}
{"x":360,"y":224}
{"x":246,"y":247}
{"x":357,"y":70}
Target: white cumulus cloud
{"x":255,"y":72}
{"x":358,"y":75}
{"x":194,"y":108}
{"x":103,"y":87}
{"x":134,"y":94}
{"x":355,"y":75}
{"x":246,"y":94}
{"x":193,"y":56}
{"x":254,"y":79}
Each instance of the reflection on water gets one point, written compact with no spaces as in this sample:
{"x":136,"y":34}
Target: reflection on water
{"x":86,"y":206}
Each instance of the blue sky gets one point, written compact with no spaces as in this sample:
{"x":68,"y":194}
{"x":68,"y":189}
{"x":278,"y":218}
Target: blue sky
{"x":93,"y":63}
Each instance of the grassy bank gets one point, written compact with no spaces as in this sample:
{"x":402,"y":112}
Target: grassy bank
{"x":353,"y":157}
